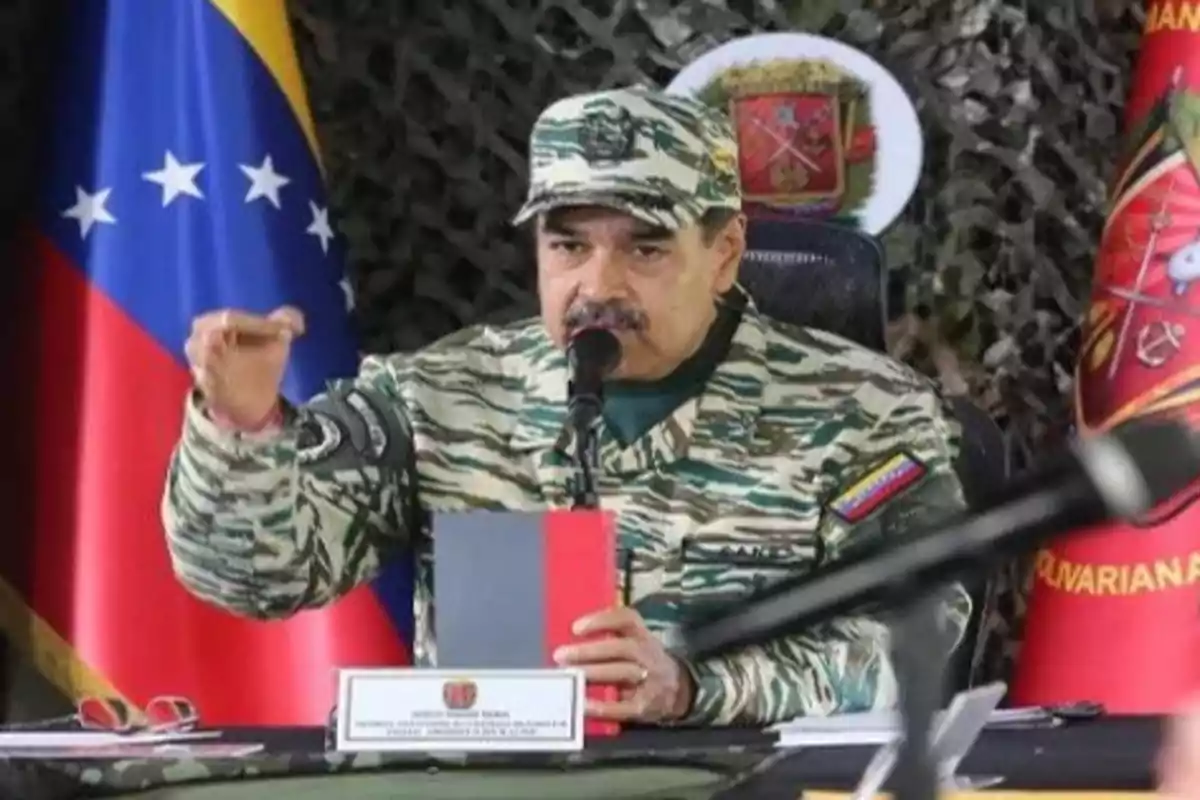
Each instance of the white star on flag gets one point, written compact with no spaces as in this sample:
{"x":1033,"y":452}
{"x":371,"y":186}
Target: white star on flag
{"x":347,"y":290}
{"x":175,"y":178}
{"x":89,"y":209}
{"x":264,"y":181}
{"x":320,"y":225}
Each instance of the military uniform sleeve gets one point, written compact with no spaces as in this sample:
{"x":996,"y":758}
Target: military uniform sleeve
{"x":896,"y":483}
{"x":265,"y":525}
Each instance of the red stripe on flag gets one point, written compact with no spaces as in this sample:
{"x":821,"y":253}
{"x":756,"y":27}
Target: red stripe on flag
{"x":580,"y":563}
{"x":109,"y":411}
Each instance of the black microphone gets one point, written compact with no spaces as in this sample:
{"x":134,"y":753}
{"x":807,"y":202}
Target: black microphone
{"x":1119,"y":475}
{"x":592,"y":353}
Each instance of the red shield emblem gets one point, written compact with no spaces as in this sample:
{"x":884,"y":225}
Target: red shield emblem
{"x":1141,"y":343}
{"x":791,"y":147}
{"x":459,"y":695}
{"x":1140,"y":354}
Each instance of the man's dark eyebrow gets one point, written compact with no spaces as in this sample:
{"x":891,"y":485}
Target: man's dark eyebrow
{"x":653,"y":233}
{"x":554,"y":225}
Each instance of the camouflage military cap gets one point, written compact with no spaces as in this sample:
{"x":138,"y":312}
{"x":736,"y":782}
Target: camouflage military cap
{"x":665,"y":159}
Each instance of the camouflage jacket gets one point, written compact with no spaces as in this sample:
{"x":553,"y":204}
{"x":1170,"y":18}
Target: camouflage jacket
{"x":803,"y":447}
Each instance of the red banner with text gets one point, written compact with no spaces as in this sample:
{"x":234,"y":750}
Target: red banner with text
{"x":1114,"y":615}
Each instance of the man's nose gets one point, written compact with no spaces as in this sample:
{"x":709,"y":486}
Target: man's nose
{"x":604,"y":276}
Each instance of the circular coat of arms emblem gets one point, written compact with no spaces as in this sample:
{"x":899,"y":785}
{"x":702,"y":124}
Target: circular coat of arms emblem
{"x":459,"y":695}
{"x":823,"y":129}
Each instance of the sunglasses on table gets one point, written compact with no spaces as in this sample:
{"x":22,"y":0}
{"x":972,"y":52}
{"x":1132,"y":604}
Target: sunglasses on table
{"x":113,"y":715}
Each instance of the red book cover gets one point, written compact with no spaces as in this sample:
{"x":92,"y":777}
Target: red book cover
{"x":580,"y":578}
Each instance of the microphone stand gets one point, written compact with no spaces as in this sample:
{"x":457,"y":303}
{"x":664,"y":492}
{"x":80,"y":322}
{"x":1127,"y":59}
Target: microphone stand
{"x":920,"y":681}
{"x":584,"y":408}
{"x":1120,"y":475}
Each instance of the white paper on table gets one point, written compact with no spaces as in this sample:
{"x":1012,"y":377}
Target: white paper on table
{"x":877,"y":727}
{"x":139,"y":751}
{"x":842,"y":730}
{"x":867,"y":720}
{"x":837,"y":738}
{"x":19,"y":741}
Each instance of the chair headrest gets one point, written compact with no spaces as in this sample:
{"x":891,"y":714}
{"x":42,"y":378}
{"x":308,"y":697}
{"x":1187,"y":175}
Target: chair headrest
{"x":818,"y":274}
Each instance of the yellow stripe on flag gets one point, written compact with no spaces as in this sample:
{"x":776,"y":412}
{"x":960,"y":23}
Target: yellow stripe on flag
{"x":1158,"y":398}
{"x":1119,"y":185}
{"x":50,"y":654}
{"x":264,"y":26}
{"x":1133,"y":191}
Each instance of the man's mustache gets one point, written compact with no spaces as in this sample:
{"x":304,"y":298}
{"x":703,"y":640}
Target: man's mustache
{"x":614,"y":316}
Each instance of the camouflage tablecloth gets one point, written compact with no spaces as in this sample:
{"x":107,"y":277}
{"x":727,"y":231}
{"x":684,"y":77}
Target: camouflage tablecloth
{"x":639,"y":764}
{"x":1114,"y":754}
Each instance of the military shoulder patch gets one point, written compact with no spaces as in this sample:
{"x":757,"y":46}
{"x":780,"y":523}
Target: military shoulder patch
{"x":882,"y":483}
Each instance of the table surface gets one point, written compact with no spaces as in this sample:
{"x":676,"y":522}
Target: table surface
{"x":727,"y":764}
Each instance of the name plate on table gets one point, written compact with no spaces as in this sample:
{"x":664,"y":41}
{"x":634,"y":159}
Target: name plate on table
{"x":478,"y":710}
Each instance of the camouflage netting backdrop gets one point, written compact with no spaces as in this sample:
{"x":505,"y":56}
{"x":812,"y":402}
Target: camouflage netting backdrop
{"x":423,"y":111}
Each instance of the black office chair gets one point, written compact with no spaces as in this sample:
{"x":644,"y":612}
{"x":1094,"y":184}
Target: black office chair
{"x":832,"y":277}
{"x":819,"y":275}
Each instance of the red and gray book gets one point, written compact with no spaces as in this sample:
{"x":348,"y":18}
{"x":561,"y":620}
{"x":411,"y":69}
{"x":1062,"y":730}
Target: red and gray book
{"x":509,"y":585}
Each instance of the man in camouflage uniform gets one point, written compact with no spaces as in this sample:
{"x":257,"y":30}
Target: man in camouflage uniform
{"x":734,"y":450}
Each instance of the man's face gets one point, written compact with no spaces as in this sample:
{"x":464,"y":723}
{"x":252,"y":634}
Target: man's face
{"x":653,"y":287}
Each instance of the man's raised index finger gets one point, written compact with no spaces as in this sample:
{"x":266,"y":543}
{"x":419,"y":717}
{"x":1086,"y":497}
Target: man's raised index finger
{"x":240,"y":323}
{"x":291,"y":317}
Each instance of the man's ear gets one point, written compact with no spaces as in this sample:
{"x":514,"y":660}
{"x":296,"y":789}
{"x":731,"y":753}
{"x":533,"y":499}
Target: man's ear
{"x":729,"y":247}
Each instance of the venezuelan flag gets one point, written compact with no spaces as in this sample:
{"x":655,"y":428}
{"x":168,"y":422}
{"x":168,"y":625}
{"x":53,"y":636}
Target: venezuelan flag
{"x":183,"y":177}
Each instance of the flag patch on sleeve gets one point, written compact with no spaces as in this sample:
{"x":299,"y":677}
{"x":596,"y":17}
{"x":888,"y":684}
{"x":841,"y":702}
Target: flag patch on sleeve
{"x":881,"y":484}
